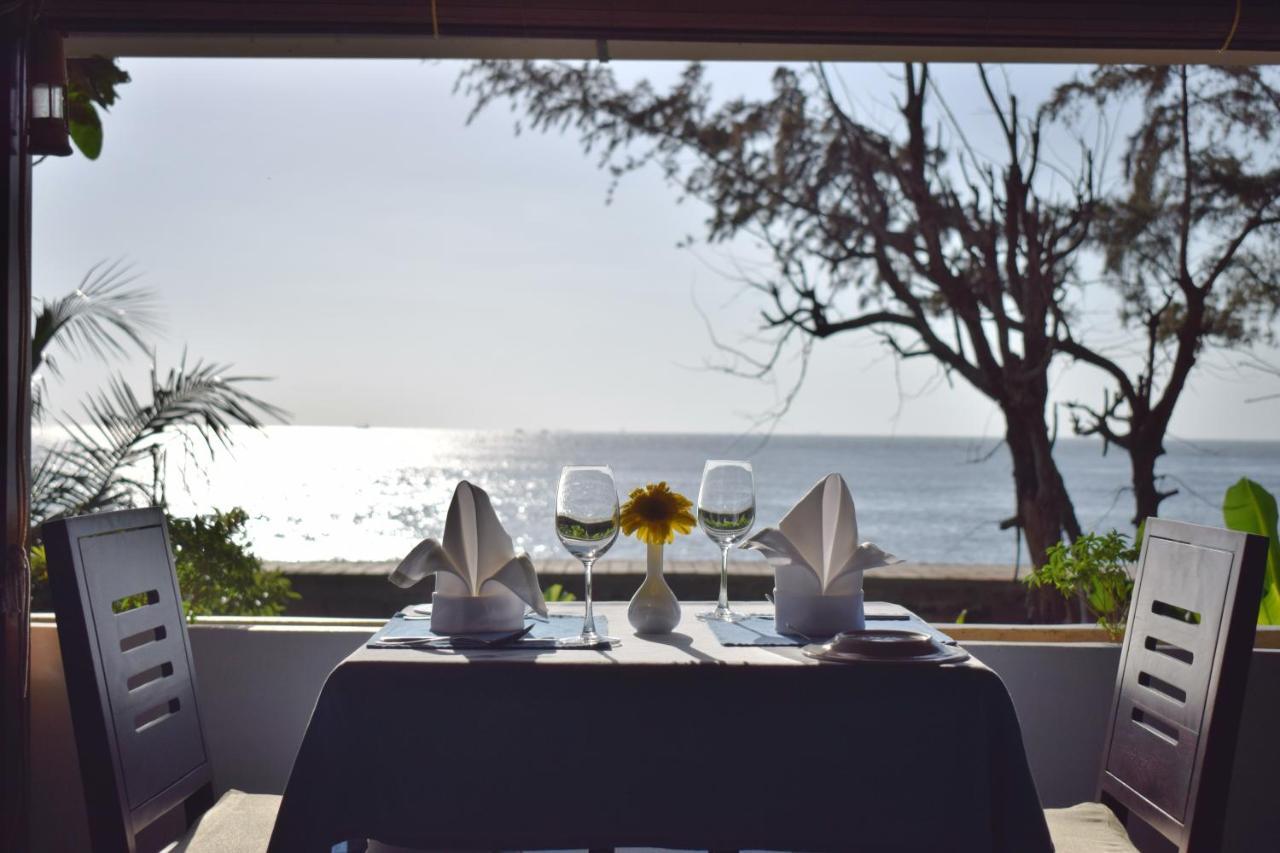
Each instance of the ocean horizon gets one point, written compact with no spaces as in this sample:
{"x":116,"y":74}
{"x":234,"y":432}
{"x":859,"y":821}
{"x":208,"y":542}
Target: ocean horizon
{"x":371,"y":493}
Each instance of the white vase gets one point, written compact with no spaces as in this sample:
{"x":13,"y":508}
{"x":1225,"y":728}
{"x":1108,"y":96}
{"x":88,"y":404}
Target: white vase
{"x":654,"y":608}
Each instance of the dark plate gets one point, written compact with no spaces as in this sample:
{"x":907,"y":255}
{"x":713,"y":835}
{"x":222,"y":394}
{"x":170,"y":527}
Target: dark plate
{"x":885,"y":646}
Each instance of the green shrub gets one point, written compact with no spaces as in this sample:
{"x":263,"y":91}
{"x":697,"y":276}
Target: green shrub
{"x":41,"y":600}
{"x":217,"y":573}
{"x":1093,"y":569}
{"x":557,"y":592}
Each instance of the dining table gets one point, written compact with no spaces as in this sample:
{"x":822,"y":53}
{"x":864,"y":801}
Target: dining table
{"x":675,"y":740}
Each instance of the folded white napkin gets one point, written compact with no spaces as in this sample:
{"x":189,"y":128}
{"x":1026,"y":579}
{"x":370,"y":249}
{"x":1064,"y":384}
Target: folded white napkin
{"x":814,"y":549}
{"x":475,"y":553}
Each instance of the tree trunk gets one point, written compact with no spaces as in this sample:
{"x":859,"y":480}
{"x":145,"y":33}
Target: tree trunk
{"x":1146,"y":497}
{"x":1044,"y":509}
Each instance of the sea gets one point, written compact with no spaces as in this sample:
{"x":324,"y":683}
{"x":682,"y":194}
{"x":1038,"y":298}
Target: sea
{"x":350,"y":493}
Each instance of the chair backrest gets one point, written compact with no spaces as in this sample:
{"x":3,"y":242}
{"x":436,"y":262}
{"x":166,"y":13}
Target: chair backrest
{"x":1180,"y":688}
{"x":129,"y":673}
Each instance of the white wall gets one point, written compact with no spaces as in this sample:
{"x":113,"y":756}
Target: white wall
{"x":258,"y":685}
{"x":1063,"y":696}
{"x":257,"y":688}
{"x":1062,"y":693}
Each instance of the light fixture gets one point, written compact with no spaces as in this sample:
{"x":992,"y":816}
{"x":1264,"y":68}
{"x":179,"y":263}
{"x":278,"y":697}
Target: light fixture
{"x":47,"y":82}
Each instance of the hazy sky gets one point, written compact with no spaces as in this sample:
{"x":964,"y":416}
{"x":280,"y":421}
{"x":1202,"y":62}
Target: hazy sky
{"x":338,"y":226}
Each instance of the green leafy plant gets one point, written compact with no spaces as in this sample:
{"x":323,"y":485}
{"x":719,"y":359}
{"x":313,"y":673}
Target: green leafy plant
{"x":91,"y":83}
{"x":557,"y":592}
{"x":1252,"y":509}
{"x":40,"y":599}
{"x":99,"y":319}
{"x":217,"y":572}
{"x":119,"y":437}
{"x":103,"y":462}
{"x":1094,"y":569}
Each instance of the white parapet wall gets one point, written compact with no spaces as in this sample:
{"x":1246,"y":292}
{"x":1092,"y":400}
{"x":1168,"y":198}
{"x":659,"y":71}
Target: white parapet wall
{"x":259,"y":680}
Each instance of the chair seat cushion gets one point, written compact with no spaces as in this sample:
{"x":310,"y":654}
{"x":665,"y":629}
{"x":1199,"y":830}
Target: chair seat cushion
{"x":1087,"y":828}
{"x":237,"y":823}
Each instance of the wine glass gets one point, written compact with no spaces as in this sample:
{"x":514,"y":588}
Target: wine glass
{"x":726,"y":511}
{"x":587,"y":524}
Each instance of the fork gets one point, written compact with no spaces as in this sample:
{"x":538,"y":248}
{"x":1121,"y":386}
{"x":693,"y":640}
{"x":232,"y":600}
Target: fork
{"x":461,"y":641}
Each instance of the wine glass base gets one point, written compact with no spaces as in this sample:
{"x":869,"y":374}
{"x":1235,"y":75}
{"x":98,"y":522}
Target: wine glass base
{"x":722,"y":614}
{"x":586,"y":640}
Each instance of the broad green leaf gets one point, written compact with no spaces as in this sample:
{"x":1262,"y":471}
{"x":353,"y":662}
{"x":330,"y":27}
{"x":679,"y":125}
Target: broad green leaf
{"x":91,"y":83}
{"x":85,"y":126}
{"x":1249,"y":508}
{"x":95,"y":79}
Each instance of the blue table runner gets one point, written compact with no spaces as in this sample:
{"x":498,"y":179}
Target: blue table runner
{"x":761,"y":630}
{"x":557,"y":626}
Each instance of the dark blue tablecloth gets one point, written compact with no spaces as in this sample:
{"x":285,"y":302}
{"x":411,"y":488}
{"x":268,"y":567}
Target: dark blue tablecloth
{"x":673,"y":741}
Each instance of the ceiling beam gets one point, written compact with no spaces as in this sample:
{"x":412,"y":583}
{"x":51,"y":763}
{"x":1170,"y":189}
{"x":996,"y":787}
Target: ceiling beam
{"x":1009,"y":30}
{"x":426,"y":47}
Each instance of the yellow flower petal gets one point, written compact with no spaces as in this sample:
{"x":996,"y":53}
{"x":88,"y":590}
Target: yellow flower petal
{"x":655,"y":514}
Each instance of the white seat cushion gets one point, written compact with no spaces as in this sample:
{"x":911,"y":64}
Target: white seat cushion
{"x":1087,"y":828}
{"x":237,"y":823}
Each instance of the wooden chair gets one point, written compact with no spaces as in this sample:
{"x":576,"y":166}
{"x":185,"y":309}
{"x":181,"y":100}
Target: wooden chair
{"x":132,"y":689}
{"x":1179,"y":692}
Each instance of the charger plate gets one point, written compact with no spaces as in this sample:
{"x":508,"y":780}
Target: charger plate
{"x":885,"y":646}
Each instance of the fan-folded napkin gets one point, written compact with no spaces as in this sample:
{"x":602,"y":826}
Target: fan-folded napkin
{"x":818,"y":562}
{"x":476,"y":566}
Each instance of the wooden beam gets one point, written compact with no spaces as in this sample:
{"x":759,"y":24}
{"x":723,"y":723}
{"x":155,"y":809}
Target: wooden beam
{"x":15,"y":424}
{"x":1122,"y":25}
{"x":242,"y":46}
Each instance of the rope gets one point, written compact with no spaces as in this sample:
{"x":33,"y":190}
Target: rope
{"x":1235,"y":25}
{"x":435,"y":22}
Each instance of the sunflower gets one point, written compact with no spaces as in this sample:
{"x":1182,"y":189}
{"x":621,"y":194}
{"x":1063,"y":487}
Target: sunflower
{"x":655,"y":514}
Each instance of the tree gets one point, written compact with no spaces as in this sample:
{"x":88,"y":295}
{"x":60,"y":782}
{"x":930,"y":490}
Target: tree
{"x":978,"y":263}
{"x":112,"y":454}
{"x":908,"y":234}
{"x":1191,"y":242}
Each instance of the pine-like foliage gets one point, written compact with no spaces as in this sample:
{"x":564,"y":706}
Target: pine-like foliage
{"x":102,"y":464}
{"x":110,"y":454}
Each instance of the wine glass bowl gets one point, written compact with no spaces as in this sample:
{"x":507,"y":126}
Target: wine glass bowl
{"x":727,"y":528}
{"x":726,"y":513}
{"x":586,"y":539}
{"x":587,"y":526}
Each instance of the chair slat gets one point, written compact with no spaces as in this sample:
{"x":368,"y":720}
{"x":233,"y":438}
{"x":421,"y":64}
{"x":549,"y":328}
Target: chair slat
{"x":159,"y":753}
{"x":1154,"y":676}
{"x":140,"y":619}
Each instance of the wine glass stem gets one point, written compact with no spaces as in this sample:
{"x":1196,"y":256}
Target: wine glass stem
{"x":723,"y":604}
{"x":589,"y":620}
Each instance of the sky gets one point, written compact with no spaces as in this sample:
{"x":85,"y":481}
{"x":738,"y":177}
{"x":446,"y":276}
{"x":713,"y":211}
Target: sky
{"x":338,"y":226}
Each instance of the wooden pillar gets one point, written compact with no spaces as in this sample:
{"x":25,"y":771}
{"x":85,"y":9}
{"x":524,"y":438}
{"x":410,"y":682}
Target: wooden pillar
{"x":15,"y":425}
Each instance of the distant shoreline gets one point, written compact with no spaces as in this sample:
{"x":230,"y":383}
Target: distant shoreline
{"x":739,"y":567}
{"x":54,"y":431}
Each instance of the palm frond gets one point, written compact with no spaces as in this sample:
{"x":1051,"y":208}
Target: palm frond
{"x":98,"y":465}
{"x":100,"y":317}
